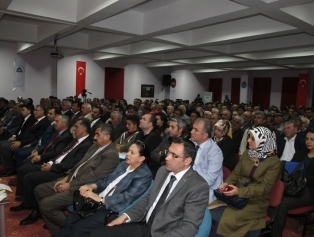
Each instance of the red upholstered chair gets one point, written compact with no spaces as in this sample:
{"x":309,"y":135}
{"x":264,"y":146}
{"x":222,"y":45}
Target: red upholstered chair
{"x":226,"y":172}
{"x":303,"y":211}
{"x":275,"y":200}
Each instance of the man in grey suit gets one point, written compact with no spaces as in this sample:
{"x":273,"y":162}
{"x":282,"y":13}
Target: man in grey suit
{"x":175,"y":205}
{"x":99,"y":161}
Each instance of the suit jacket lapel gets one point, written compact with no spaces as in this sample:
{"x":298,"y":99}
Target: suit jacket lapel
{"x":179,"y":185}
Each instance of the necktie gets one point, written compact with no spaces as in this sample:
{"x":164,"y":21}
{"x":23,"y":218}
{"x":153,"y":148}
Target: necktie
{"x":67,"y":150}
{"x":196,"y":149}
{"x":77,"y":169}
{"x":160,"y":202}
{"x":55,"y":137}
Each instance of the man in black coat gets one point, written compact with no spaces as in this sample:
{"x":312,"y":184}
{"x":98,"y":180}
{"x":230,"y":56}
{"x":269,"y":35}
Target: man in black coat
{"x":33,"y":174}
{"x":35,"y":131}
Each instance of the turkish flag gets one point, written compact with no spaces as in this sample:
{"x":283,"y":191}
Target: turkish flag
{"x":80,"y":76}
{"x":303,"y":84}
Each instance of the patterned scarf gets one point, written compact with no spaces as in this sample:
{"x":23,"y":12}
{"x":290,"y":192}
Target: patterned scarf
{"x":265,"y":143}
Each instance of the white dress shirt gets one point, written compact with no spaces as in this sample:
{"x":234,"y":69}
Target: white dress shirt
{"x":289,"y":149}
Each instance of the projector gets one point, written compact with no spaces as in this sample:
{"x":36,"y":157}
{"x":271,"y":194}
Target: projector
{"x":56,"y":54}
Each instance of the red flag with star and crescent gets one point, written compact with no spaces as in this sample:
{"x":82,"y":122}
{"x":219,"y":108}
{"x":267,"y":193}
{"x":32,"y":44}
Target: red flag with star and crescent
{"x":303,"y":84}
{"x":80,"y":76}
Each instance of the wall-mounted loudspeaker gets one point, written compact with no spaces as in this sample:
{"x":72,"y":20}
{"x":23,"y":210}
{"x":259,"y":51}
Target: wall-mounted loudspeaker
{"x":166,"y":80}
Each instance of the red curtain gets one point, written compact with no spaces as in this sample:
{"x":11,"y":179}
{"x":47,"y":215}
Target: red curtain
{"x":215,"y":86}
{"x":235,"y":90}
{"x":288,"y":91}
{"x":80,"y":77}
{"x":261,"y":91}
{"x":114,"y":83}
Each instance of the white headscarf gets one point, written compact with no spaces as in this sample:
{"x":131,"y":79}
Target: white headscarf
{"x":265,"y":143}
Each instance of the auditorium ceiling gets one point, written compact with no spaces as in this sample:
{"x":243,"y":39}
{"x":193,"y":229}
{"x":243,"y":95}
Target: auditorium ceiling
{"x":200,"y":35}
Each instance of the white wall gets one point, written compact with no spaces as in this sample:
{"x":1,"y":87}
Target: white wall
{"x":137,"y":74}
{"x":190,"y":84}
{"x":40,"y":73}
{"x":95,"y":77}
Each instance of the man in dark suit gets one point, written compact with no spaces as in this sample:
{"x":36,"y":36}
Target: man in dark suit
{"x":175,"y":205}
{"x":23,"y":152}
{"x":106,"y":113}
{"x":10,"y":125}
{"x":32,"y":134}
{"x":8,"y":113}
{"x":96,"y":121}
{"x":290,"y":141}
{"x":4,"y":104}
{"x":76,"y":109}
{"x":151,"y":138}
{"x":99,"y":161}
{"x":35,"y":174}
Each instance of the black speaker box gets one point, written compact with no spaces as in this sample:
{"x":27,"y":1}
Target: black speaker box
{"x":166,"y":80}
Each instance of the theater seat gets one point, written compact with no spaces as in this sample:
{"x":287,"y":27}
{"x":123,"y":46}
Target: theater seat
{"x":303,"y":211}
{"x":275,"y":200}
{"x":205,"y":226}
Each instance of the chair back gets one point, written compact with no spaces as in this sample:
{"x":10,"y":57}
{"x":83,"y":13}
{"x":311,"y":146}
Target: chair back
{"x":277,"y":193}
{"x":226,"y":172}
{"x":205,"y":226}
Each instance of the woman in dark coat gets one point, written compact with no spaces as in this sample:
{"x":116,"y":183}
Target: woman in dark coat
{"x":307,"y":198}
{"x":222,"y":136}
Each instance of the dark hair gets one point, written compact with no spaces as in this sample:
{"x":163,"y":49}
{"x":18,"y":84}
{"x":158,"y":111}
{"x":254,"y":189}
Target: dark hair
{"x":309,"y":108}
{"x":310,"y":131}
{"x":100,"y":111}
{"x":106,"y":129}
{"x":189,"y":147}
{"x":141,"y":147}
{"x":134,"y":119}
{"x":132,"y":107}
{"x":153,"y":120}
{"x":180,"y":110}
{"x":56,"y":110}
{"x":86,"y":123}
{"x":79,"y":104}
{"x":163,"y":118}
{"x":28,"y":107}
{"x":195,"y":112}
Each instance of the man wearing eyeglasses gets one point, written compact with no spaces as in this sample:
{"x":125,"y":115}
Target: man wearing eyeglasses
{"x":209,"y":158}
{"x":175,"y":205}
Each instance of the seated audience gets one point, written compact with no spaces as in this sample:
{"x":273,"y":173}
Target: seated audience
{"x":287,"y":203}
{"x":162,"y":124}
{"x":116,"y":122}
{"x":150,"y":137}
{"x":290,"y":142}
{"x":115,"y":192}
{"x":24,"y":152}
{"x":96,"y":121}
{"x":99,"y":161}
{"x":209,"y":158}
{"x":32,"y":174}
{"x":253,"y":178}
{"x":86,"y":111}
{"x":237,"y":132}
{"x":32,"y":129}
{"x":222,"y":137}
{"x":175,"y":205}
{"x":66,"y":108}
{"x":76,"y":109}
{"x":128,"y":138}
{"x":177,"y":128}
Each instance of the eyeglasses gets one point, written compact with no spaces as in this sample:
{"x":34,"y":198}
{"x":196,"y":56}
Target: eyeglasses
{"x":173,"y":155}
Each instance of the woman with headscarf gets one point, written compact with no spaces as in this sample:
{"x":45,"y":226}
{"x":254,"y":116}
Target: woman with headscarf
{"x":253,"y":178}
{"x":223,"y":138}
